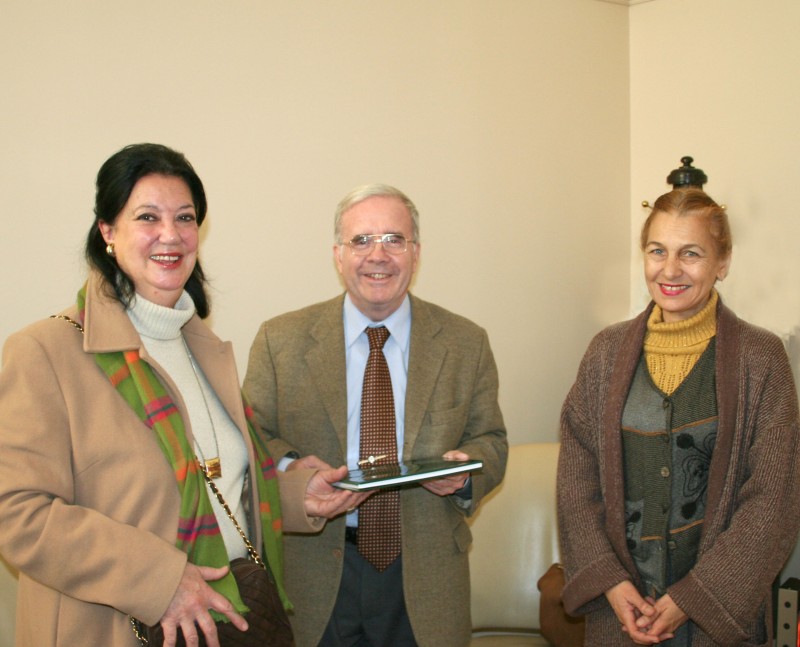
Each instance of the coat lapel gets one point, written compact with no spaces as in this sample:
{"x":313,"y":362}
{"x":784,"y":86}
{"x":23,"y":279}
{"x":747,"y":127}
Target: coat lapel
{"x":109,"y":330}
{"x":214,"y":358}
{"x":426,"y":356}
{"x":326,"y":364}
{"x":727,"y":376}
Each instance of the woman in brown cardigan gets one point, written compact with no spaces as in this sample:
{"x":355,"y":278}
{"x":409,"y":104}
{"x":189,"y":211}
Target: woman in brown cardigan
{"x":678,"y":476}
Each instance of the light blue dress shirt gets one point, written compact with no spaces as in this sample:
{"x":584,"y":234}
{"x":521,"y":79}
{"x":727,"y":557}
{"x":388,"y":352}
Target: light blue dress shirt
{"x":357,"y":351}
{"x":395,"y":350}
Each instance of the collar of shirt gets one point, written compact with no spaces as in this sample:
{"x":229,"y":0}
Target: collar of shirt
{"x":398,"y":323}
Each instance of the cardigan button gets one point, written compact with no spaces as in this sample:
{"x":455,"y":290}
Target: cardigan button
{"x":665,"y":472}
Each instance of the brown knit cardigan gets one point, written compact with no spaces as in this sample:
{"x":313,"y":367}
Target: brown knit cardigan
{"x":753,"y":498}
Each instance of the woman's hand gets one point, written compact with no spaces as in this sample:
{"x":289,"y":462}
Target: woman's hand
{"x":666,"y":620}
{"x":324,"y":500}
{"x":189,"y":607}
{"x":449,"y":484}
{"x":634,"y":612}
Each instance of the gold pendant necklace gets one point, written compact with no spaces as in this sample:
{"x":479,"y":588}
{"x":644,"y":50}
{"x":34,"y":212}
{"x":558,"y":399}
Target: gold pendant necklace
{"x":213,"y":465}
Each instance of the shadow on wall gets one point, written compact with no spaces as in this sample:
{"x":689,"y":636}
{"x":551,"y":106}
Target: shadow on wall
{"x":792,"y":343}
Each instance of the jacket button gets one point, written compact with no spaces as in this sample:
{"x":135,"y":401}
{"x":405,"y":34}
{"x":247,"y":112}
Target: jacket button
{"x":665,"y":472}
{"x":337,"y":553}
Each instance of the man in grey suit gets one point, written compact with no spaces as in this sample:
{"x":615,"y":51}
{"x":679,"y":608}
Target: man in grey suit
{"x":304,"y":379}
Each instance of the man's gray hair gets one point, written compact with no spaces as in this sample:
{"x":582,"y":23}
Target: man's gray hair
{"x":361,"y":193}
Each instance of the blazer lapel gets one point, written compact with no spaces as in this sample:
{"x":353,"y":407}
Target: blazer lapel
{"x":214,"y":358}
{"x":425,"y":360}
{"x":326,"y":364}
{"x":108,"y":329}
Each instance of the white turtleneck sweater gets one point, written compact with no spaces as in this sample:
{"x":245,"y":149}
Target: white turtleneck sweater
{"x":214,"y":432}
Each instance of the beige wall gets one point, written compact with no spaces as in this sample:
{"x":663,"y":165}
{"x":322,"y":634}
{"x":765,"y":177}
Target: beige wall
{"x":717,"y":79}
{"x":506,"y":121}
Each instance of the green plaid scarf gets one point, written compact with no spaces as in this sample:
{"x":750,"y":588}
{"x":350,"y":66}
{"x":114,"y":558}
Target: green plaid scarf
{"x":198,"y":533}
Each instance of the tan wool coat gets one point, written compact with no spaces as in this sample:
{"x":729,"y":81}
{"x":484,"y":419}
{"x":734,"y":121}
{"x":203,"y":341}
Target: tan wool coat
{"x":88,"y":502}
{"x":297,"y":385}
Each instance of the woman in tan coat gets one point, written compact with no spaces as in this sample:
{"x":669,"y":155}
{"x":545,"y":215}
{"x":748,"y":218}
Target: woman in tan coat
{"x":109,"y":414}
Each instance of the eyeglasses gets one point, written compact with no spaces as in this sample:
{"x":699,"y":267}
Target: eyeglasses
{"x":363,"y":244}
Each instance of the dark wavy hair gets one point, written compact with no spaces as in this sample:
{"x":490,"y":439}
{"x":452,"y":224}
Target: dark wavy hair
{"x":115,"y":181}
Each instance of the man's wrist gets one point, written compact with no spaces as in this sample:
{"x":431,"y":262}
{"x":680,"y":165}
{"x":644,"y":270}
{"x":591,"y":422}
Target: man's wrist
{"x":287,"y":459}
{"x":464,"y":495}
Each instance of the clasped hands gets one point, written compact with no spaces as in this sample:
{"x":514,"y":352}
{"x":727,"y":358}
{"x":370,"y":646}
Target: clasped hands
{"x":645,"y":620}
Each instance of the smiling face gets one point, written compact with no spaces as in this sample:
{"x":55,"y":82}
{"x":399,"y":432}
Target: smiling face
{"x":378,"y":282}
{"x":155,"y":237}
{"x":681,"y":264}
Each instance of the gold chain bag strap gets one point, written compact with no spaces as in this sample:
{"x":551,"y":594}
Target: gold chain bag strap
{"x":268,"y":623}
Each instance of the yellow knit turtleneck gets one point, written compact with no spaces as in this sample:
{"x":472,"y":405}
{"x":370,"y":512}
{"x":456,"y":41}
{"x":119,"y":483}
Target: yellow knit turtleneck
{"x":672,"y":349}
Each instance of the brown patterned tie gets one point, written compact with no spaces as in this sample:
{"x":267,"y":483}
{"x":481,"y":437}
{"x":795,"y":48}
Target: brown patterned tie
{"x":379,"y":515}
